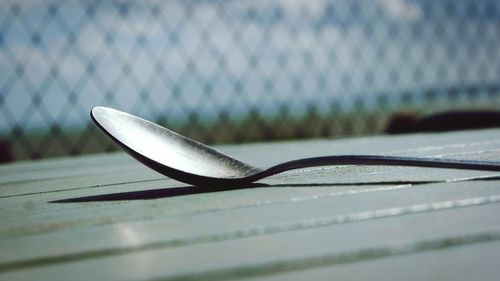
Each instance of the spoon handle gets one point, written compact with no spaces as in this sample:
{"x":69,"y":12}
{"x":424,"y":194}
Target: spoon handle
{"x":431,"y":162}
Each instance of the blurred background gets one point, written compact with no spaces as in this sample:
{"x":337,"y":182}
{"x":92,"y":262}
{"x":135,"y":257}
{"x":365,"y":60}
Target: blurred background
{"x":223,"y":71}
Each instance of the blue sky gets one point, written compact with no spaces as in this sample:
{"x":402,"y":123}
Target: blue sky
{"x":208,"y":56}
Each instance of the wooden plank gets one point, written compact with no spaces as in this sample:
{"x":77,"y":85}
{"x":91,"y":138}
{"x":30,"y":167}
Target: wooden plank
{"x":64,"y":169}
{"x":96,"y":179}
{"x":470,"y":262}
{"x":450,"y":144}
{"x":265,"y":254}
{"x":36,"y":205}
{"x":34,"y":214}
{"x":117,"y":212}
{"x":255,"y":218}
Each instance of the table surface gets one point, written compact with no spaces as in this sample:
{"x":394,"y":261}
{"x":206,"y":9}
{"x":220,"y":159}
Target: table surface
{"x":106,"y":217}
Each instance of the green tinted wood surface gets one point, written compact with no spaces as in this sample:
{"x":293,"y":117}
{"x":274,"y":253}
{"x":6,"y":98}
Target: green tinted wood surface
{"x":109,"y":217}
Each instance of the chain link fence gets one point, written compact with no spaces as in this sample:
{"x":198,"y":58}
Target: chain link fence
{"x":238,"y":71}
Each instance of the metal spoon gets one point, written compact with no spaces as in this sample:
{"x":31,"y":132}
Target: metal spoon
{"x":189,"y":161}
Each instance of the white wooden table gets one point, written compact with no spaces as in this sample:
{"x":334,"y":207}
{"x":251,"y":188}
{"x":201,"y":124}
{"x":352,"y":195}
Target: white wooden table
{"x":107,"y":217}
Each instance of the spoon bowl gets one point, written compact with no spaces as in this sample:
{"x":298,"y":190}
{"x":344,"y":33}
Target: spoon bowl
{"x":189,"y":161}
{"x":169,"y":153}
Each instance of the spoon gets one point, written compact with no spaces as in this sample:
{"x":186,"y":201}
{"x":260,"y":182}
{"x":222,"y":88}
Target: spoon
{"x":189,"y":161}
